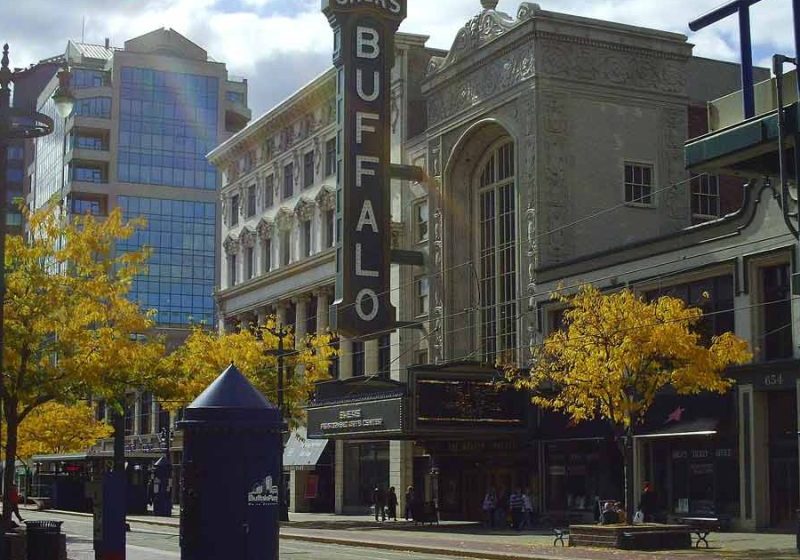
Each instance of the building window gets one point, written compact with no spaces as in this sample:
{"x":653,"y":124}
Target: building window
{"x":333,"y":367}
{"x":497,"y":254}
{"x":422,"y":295}
{"x":638,"y":183}
{"x":307,"y":240}
{"x":705,"y":196}
{"x":288,"y":181}
{"x":235,"y":97}
{"x":359,"y":364}
{"x":713,"y":295}
{"x":88,"y":142}
{"x":251,"y":201}
{"x":234,"y":219}
{"x":81,"y":78}
{"x":330,"y":157}
{"x":231,"y":270}
{"x":88,"y":174}
{"x":420,"y":218}
{"x":269,"y":192}
{"x":130,"y":419}
{"x":308,"y":169}
{"x":146,"y":413}
{"x":775,"y":333}
{"x":384,"y":355}
{"x":330,"y":228}
{"x":249,"y":264}
{"x":92,"y":206}
{"x":267,"y":256}
{"x":97,"y":107}
{"x":162,"y":419}
{"x":100,"y":411}
{"x":286,"y":248}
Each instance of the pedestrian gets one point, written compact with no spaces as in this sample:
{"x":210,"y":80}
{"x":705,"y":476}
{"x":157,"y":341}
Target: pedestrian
{"x":14,"y":499}
{"x":488,"y":507}
{"x":527,"y":509}
{"x":379,"y":502}
{"x":515,"y":505}
{"x":409,"y":503}
{"x":391,"y":503}
{"x":647,"y":502}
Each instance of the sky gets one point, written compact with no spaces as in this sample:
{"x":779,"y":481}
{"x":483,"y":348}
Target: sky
{"x":279,"y":45}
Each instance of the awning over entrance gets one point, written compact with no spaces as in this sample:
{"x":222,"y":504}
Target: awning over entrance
{"x":699,"y":427}
{"x":302,"y":453}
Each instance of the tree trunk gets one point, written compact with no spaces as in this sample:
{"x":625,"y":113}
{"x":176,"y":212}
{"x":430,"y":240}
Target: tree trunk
{"x":12,"y":429}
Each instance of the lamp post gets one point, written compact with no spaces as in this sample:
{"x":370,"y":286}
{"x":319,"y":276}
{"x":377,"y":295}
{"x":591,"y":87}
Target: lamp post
{"x":281,"y":332}
{"x":18,"y":124}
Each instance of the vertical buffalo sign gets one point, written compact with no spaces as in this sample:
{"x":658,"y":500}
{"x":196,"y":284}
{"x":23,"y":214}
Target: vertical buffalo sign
{"x":363,"y":55}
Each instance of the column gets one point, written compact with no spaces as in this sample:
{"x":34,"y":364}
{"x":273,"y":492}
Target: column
{"x":345,"y":358}
{"x":323,"y":310}
{"x":280,"y":313}
{"x":297,"y":485}
{"x":261,"y":316}
{"x":339,"y":477}
{"x":301,"y":310}
{"x":753,"y":458}
{"x":371,"y":357}
{"x":401,"y":471}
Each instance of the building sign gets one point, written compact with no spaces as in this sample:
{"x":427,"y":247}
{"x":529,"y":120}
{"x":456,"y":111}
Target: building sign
{"x":465,"y":402}
{"x":263,"y":493}
{"x":363,"y":56}
{"x":354,"y":419}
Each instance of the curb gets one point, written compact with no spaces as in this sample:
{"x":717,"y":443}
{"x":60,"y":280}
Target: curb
{"x":487,"y":555}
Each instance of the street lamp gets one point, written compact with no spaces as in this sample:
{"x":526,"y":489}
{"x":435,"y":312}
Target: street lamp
{"x":18,"y":124}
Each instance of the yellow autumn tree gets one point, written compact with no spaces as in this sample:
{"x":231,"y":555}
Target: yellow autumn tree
{"x":70,"y":329}
{"x":205,"y":354}
{"x":60,"y":428}
{"x":616,"y":352}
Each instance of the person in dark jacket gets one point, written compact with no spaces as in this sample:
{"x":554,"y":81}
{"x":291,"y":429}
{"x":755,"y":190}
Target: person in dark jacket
{"x":379,"y":502}
{"x":391,"y":503}
{"x":647,"y":503}
{"x":409,"y":503}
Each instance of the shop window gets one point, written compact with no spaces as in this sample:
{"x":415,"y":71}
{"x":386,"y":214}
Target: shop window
{"x":639,"y":184}
{"x":251,"y":201}
{"x":330,"y":157}
{"x":775,"y":333}
{"x":705,"y":196}
{"x":308,"y":169}
{"x":366,"y":465}
{"x":496,"y":257}
{"x":420,"y":220}
{"x":359,"y":369}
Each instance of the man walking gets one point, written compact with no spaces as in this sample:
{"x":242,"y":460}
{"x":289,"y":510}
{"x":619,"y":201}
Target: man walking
{"x":379,"y":502}
{"x":515,"y":504}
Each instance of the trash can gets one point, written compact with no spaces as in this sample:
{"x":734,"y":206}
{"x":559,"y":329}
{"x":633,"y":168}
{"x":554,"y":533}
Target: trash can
{"x":43,"y":539}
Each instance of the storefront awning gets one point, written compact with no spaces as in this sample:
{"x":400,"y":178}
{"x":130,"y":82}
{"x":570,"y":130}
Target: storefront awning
{"x":302,"y":453}
{"x":699,"y":427}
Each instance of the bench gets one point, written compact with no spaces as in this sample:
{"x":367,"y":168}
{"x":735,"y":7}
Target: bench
{"x":560,"y":533}
{"x":702,"y":527}
{"x":657,"y":539}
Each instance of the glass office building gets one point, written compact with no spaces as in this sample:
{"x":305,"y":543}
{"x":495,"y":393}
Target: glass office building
{"x":180,"y":279}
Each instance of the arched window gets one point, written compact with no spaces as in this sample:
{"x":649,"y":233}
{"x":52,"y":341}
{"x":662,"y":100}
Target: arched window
{"x":497,"y":257}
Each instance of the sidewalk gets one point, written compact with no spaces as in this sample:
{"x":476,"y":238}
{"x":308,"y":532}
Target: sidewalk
{"x":465,"y":540}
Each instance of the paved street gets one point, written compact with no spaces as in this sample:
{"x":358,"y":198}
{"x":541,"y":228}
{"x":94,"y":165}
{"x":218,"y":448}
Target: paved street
{"x":161,"y":543}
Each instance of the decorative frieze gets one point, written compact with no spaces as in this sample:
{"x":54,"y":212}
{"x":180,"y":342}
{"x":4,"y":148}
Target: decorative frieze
{"x":247,"y":238}
{"x":304,"y":210}
{"x":231,"y":245}
{"x":326,"y":199}
{"x":284,"y":219}
{"x":264,"y":229}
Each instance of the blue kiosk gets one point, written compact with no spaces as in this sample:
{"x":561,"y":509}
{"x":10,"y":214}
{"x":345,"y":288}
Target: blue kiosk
{"x":231,"y":464}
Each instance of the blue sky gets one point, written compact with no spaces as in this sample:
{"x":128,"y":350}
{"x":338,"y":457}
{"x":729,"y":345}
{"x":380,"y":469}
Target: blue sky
{"x":278,"y":45}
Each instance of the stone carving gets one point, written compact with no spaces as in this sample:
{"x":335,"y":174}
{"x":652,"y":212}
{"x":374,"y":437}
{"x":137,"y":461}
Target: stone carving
{"x":555,"y":187}
{"x":231,"y":245}
{"x":673,"y":125}
{"x":226,"y":208}
{"x":268,"y":151}
{"x":588,"y":61}
{"x":435,"y":159}
{"x":247,"y":238}
{"x":298,"y":168}
{"x":496,"y":76}
{"x":438,"y":287}
{"x":304,"y":209}
{"x":284,"y":219}
{"x":527,"y":10}
{"x":264,"y":229}
{"x":478,"y":31}
{"x":396,"y":102}
{"x":317,"y":154}
{"x":326,"y":199}
{"x":286,"y":139}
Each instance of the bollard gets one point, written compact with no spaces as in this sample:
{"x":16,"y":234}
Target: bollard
{"x":231,"y":471}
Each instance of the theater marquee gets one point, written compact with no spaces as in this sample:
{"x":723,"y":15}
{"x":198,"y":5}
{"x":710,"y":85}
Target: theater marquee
{"x":363,"y":56}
